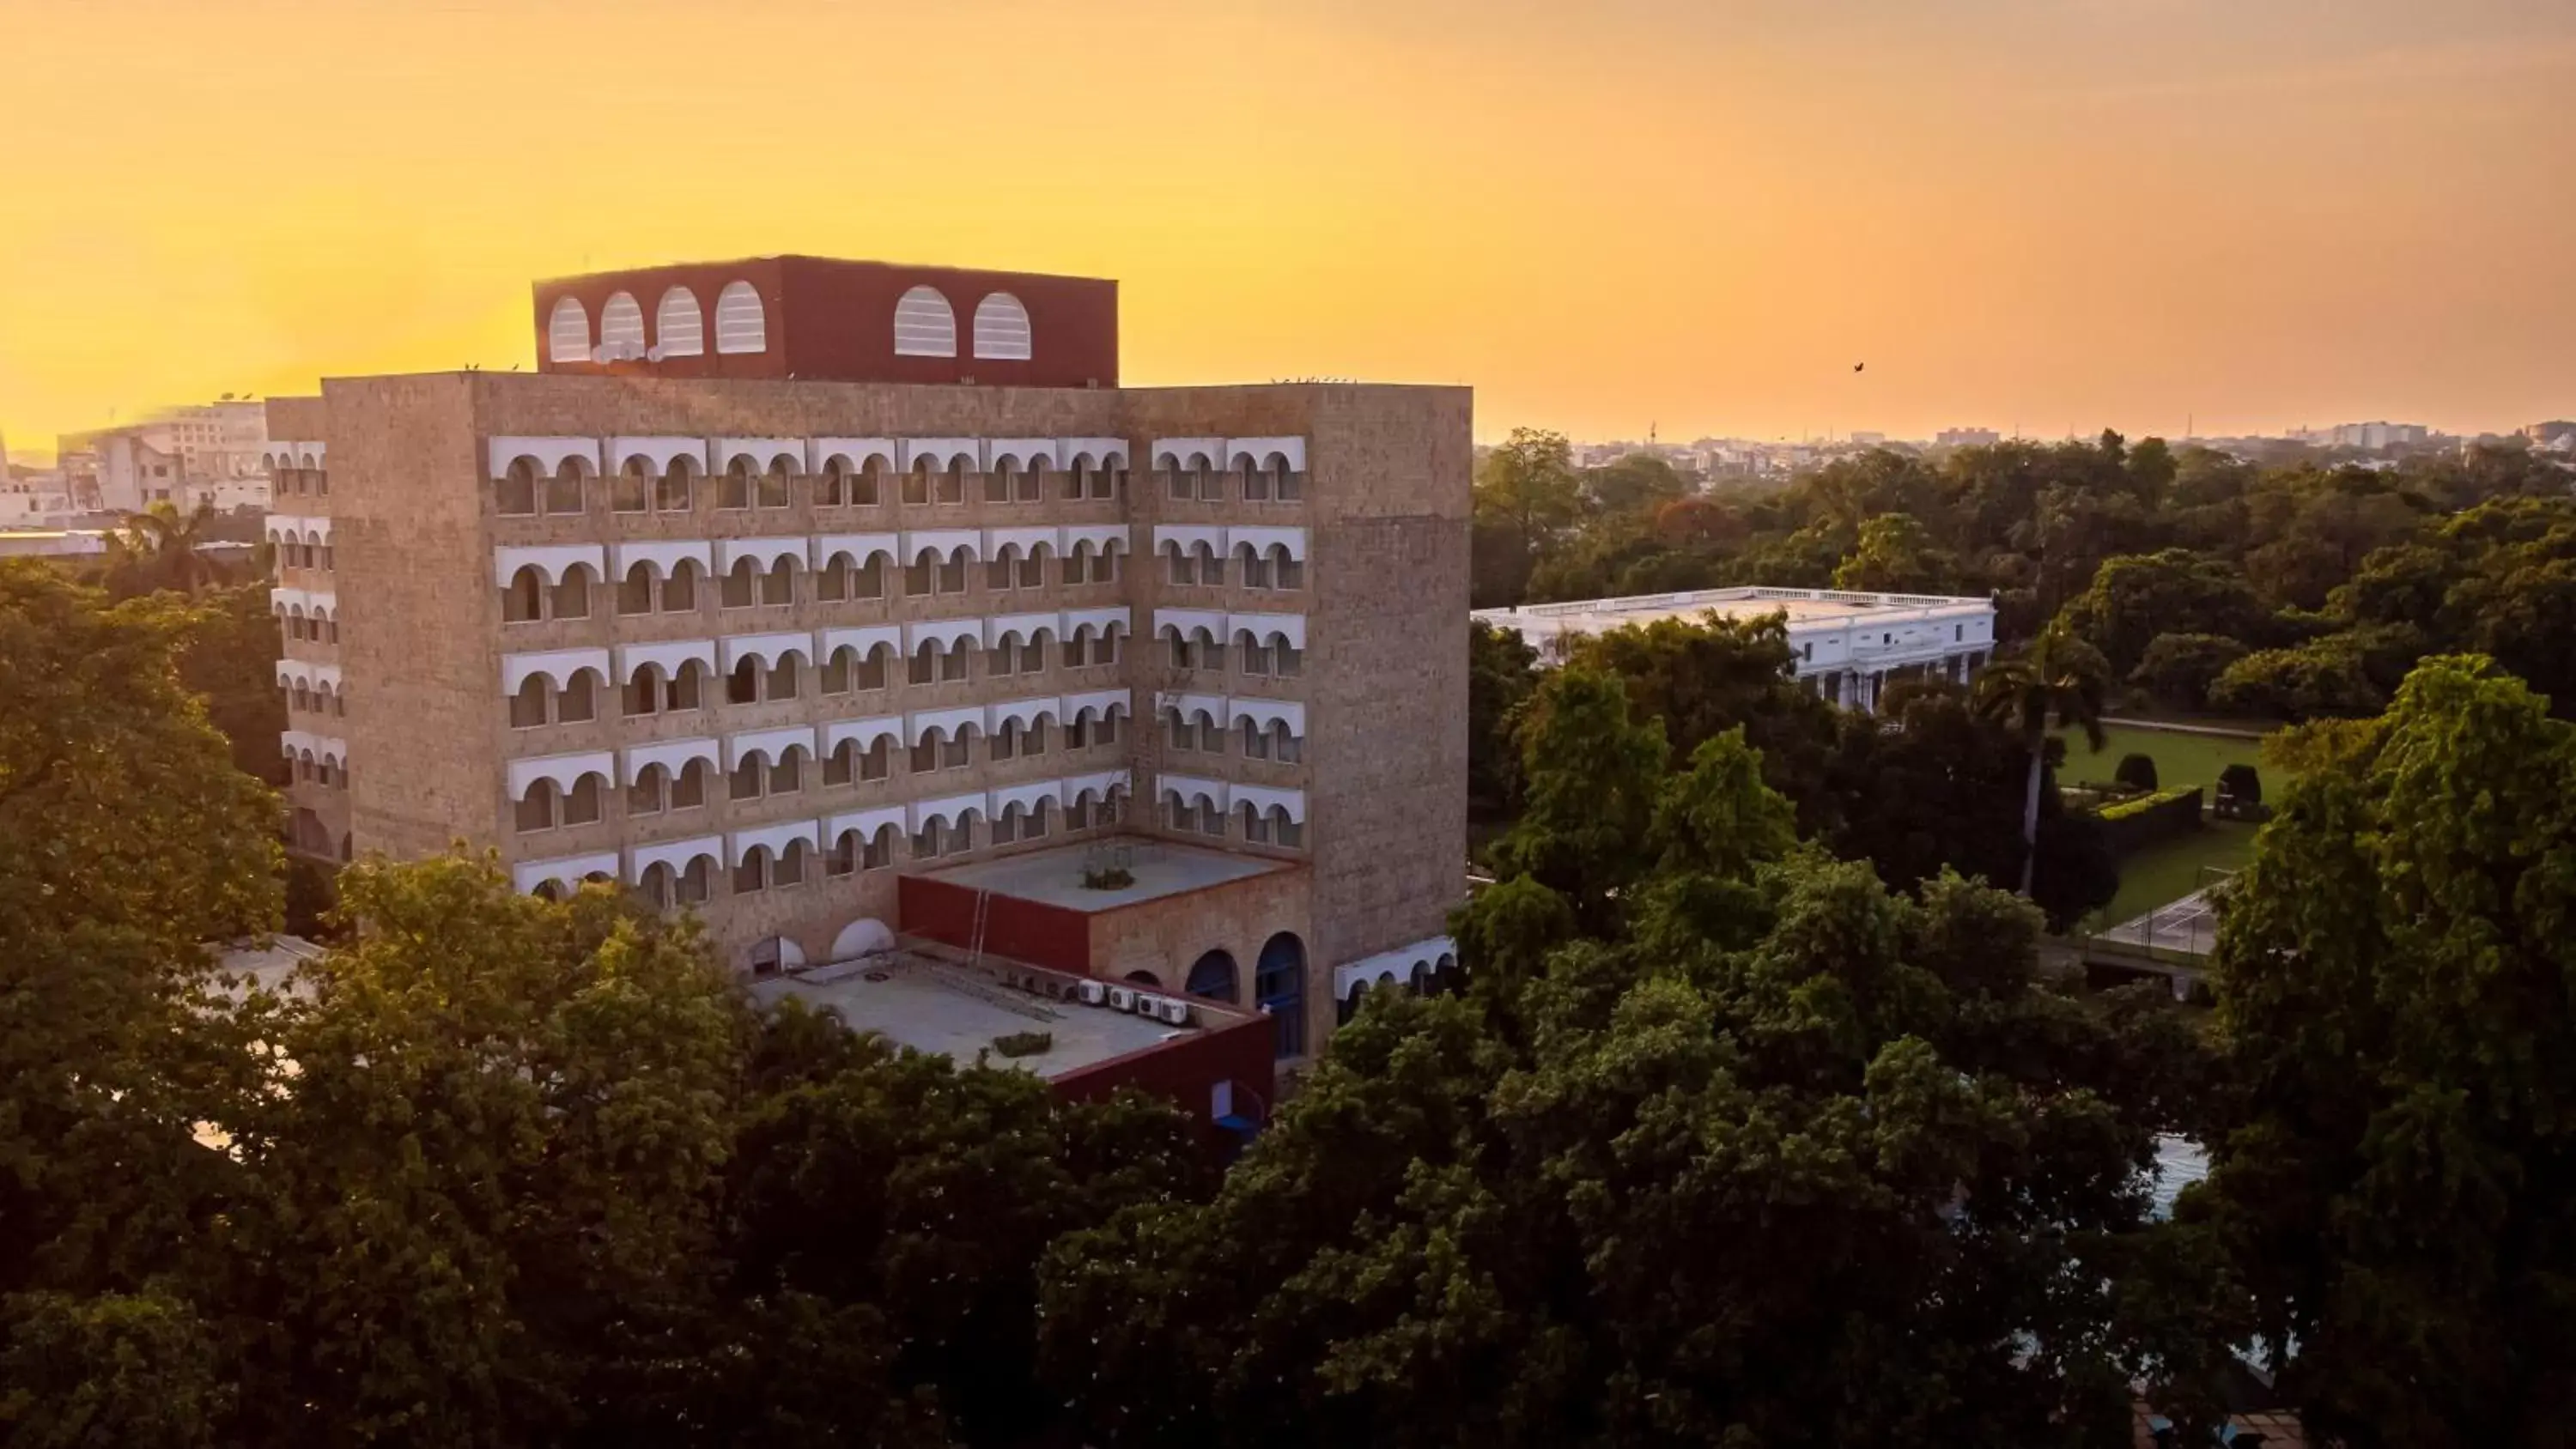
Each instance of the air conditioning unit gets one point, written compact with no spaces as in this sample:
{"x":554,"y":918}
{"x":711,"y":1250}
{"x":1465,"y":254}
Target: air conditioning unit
{"x":1122,"y":998}
{"x":1148,"y":1004}
{"x":1094,"y":993}
{"x":1173,"y":1013}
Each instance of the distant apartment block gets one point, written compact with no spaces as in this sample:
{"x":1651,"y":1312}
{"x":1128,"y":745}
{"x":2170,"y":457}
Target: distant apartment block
{"x":859,"y":609}
{"x":1966,"y":438}
{"x":209,"y":454}
{"x":1849,"y":647}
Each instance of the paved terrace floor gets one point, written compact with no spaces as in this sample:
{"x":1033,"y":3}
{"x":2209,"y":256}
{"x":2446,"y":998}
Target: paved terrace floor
{"x":1054,"y":877}
{"x":956,"y":1011}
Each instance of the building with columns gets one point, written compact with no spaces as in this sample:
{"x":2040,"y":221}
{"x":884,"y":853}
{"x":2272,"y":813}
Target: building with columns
{"x":849,"y":605}
{"x":1850,"y":646}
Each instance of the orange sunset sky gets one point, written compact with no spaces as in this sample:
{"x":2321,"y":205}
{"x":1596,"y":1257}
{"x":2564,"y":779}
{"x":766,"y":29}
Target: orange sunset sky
{"x":2043,"y":214}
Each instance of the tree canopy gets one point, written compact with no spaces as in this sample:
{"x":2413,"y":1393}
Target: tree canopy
{"x":1776,"y":1157}
{"x":2397,"y":1174}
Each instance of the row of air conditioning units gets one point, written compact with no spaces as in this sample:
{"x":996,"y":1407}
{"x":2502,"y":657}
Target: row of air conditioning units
{"x":1168,"y":1010}
{"x":1144,"y":1003}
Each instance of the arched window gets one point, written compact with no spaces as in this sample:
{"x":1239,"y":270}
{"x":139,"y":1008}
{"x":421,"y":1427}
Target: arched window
{"x":516,"y":493}
{"x":563,"y":493}
{"x":698,"y":881}
{"x":680,"y":590}
{"x":674,"y":492}
{"x":1350,"y":1005}
{"x":925,"y":325}
{"x":644,"y":691}
{"x":687,"y":687}
{"x":632,"y":491}
{"x":645,"y":796}
{"x":678,"y":329}
{"x":524,"y":600}
{"x":572,"y":596}
{"x":1212,"y":976}
{"x":1002,"y":328}
{"x":528,"y":705}
{"x":1279,"y":985}
{"x":742,"y":325}
{"x":582,"y":804}
{"x":568,"y":332}
{"x":635,"y":592}
{"x":536,"y":810}
{"x":621,"y":324}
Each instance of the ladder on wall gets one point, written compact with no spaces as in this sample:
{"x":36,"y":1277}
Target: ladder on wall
{"x":983,"y":918}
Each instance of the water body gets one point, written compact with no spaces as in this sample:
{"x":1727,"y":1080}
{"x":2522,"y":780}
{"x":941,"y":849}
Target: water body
{"x":2180,"y":1162}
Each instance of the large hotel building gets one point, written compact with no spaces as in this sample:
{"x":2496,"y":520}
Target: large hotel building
{"x":850,"y":604}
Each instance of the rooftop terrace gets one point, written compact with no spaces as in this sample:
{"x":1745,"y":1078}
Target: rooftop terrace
{"x":1054,"y":877}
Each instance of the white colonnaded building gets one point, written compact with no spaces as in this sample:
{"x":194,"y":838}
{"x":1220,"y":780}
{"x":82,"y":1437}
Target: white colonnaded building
{"x":1849,"y":646}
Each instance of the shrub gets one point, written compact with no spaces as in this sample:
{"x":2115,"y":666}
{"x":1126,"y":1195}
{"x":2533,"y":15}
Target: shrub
{"x":2240,"y":785}
{"x":2143,"y":803}
{"x":2136,"y":772}
{"x":1024,"y":1043}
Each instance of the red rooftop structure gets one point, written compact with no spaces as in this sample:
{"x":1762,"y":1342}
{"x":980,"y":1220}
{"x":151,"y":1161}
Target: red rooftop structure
{"x":819,"y":319}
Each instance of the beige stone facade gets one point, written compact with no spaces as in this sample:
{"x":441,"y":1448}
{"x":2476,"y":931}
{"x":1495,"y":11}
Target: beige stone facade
{"x":486,"y":626}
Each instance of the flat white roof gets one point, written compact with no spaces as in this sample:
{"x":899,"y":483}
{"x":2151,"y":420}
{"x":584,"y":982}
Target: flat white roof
{"x":955,"y":1011}
{"x":1054,"y":877}
{"x":1805,"y":608}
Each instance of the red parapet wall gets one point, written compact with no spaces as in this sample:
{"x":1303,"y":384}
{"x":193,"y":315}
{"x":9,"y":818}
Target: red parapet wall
{"x":1186,"y":1070}
{"x":1018,"y":930}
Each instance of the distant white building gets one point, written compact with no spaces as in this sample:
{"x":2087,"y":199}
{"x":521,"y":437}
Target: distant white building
{"x":1849,"y":646}
{"x":1967,"y":438}
{"x":209,"y":452}
{"x":34,"y":503}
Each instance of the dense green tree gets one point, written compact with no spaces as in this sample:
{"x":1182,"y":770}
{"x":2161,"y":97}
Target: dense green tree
{"x":2397,"y":1176}
{"x":228,"y":647}
{"x":2327,"y":677}
{"x":2178,"y":669}
{"x":1637,"y":484}
{"x":1594,"y":774}
{"x":2059,"y":678}
{"x":1502,"y":670}
{"x":1896,"y":555}
{"x":1929,"y":784}
{"x":2138,"y":597}
{"x":1784,"y":1160}
{"x":1707,"y":676}
{"x":1526,"y":493}
{"x":495,"y":1160}
{"x":128,"y":842}
{"x":886,"y":1181}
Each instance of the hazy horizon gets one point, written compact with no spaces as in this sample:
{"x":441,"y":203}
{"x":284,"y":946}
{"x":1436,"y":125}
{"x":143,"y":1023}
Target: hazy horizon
{"x":2049,"y":215}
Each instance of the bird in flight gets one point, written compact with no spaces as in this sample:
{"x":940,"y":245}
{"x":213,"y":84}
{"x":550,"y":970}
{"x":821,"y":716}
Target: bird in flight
{"x":1857,"y":366}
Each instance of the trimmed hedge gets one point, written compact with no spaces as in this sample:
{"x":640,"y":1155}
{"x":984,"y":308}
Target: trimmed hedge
{"x":2132,"y":825}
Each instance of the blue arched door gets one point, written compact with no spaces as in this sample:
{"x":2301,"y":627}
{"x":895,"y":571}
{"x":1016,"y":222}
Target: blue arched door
{"x":1212,"y":976}
{"x":1279,"y":984}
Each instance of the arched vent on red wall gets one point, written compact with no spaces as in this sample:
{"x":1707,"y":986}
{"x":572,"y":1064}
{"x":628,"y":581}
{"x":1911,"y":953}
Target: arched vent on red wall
{"x":1002,"y":328}
{"x":741,"y":323}
{"x":568,"y":332}
{"x":924,"y":324}
{"x":678,"y":328}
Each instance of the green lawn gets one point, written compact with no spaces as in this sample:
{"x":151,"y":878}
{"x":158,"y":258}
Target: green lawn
{"x":2172,"y":870}
{"x":2181,"y":759}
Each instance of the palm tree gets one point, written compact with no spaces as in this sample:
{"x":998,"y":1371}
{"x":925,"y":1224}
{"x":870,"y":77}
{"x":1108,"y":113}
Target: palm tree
{"x":2058,"y":676}
{"x":159,"y":550}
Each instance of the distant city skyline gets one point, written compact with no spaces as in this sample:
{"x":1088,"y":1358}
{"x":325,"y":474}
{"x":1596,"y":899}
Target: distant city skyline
{"x":2043,"y":214}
